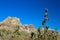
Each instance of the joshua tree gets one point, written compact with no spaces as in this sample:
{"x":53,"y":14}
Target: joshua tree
{"x":42,"y":37}
{"x":45,"y":17}
{"x":44,"y":23}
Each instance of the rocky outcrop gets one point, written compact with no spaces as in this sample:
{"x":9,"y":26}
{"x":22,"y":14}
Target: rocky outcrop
{"x":13,"y":22}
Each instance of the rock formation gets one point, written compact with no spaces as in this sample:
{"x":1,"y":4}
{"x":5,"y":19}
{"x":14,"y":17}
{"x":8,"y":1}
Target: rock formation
{"x":13,"y":22}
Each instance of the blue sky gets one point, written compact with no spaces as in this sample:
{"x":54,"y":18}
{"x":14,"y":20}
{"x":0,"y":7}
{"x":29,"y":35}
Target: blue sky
{"x":31,"y":11}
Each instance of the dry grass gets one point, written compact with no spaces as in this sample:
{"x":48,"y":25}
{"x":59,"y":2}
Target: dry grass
{"x":6,"y":34}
